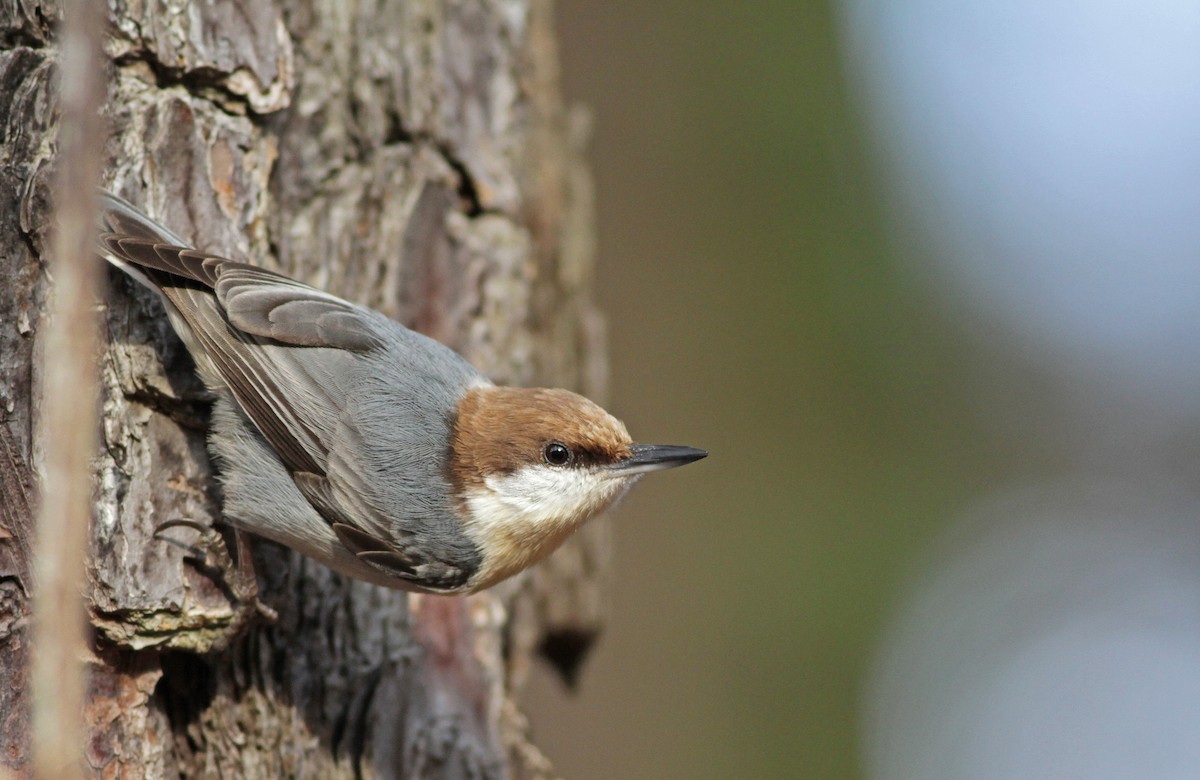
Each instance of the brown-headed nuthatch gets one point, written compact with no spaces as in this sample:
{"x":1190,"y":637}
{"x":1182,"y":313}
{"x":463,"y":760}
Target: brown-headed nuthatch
{"x":369,"y":447}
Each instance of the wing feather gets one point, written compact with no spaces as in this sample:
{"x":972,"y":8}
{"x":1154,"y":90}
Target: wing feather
{"x":248,"y":323}
{"x":403,"y":558}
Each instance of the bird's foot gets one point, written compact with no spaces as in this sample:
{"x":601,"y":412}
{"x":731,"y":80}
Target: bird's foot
{"x":230,"y":570}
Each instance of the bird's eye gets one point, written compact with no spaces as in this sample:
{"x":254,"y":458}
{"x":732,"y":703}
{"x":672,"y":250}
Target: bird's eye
{"x":557,"y":454}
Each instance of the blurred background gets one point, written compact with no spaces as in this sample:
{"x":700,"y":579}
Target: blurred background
{"x":924,"y":277}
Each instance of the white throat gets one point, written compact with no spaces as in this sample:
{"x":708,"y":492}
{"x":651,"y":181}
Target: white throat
{"x":518,"y":518}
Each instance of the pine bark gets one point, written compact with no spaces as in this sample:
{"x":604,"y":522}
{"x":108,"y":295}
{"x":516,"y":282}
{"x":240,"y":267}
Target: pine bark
{"x":412,"y":155}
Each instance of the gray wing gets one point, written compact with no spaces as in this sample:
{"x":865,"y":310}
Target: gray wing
{"x":253,"y":299}
{"x":417,"y":558}
{"x":245,"y":323}
{"x":235,"y":316}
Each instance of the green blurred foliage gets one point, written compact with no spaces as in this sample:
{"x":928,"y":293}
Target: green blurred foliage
{"x":755,"y":310}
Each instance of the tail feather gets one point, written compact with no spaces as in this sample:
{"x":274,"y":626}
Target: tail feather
{"x":171,"y":259}
{"x":123,"y":218}
{"x":150,"y":252}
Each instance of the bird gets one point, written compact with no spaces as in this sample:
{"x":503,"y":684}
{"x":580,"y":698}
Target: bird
{"x":369,"y":447}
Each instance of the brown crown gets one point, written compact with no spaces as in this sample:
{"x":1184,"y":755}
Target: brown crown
{"x":501,"y":429}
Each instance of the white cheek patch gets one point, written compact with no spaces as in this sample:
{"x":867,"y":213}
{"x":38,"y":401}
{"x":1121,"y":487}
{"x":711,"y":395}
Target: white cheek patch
{"x":541,"y":499}
{"x":519,"y":518}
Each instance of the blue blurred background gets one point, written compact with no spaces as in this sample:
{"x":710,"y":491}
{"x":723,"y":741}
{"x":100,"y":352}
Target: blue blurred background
{"x":923,"y":276}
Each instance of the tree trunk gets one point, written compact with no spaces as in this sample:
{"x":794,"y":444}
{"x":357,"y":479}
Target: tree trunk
{"x":411,"y":155}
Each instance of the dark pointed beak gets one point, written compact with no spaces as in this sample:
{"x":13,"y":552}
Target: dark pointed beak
{"x":656,"y":457}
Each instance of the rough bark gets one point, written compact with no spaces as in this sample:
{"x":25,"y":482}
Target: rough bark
{"x":414,"y":156}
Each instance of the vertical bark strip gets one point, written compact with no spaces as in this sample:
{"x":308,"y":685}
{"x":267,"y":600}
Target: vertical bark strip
{"x":67,"y":429}
{"x":413,"y":155}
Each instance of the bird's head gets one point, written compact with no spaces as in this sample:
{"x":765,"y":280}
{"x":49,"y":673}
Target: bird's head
{"x":530,"y":465}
